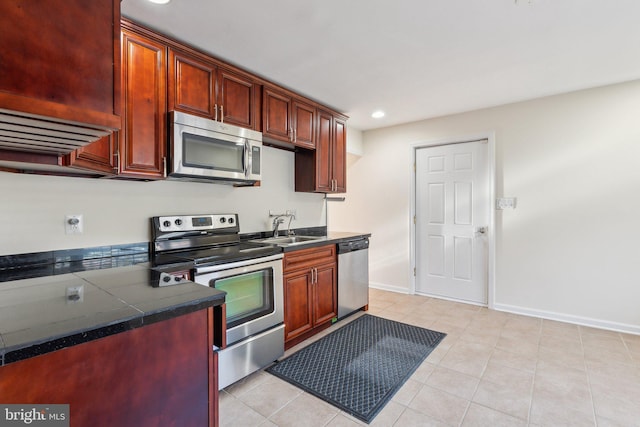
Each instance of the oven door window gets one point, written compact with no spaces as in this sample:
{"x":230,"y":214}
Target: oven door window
{"x":212,"y":153}
{"x":249,"y":295}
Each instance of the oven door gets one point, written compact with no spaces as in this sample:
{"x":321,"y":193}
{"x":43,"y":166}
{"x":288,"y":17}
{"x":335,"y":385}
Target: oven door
{"x":254,"y":300}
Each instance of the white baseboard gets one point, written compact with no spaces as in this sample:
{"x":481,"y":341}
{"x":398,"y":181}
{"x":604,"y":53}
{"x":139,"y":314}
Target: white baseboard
{"x":390,"y":288}
{"x":577,"y":320}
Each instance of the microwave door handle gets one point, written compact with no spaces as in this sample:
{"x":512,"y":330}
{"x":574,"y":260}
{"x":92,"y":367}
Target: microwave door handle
{"x":247,"y":166}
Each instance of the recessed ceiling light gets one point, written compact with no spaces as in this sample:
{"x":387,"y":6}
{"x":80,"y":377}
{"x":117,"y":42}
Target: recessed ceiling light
{"x":160,"y":1}
{"x":377,"y":114}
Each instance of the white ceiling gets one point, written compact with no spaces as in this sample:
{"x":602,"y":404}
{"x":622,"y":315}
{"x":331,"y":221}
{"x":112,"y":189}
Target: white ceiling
{"x":414,"y":59}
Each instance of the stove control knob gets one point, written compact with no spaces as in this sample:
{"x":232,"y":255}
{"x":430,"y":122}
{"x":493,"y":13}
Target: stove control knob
{"x":230,"y":220}
{"x":166,"y":279}
{"x":167,"y":224}
{"x":178,"y":222}
{"x":222,"y":220}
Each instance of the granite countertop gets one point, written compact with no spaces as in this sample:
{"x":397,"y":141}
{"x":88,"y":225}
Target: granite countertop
{"x":334,"y":237}
{"x":37,"y":316}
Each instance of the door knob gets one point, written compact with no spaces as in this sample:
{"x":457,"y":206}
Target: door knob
{"x":481,"y":230}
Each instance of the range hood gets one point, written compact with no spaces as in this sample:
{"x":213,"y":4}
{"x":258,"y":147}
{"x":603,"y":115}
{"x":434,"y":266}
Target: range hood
{"x":55,"y":129}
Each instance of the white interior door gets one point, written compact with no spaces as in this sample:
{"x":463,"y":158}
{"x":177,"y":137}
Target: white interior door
{"x":452,"y":217}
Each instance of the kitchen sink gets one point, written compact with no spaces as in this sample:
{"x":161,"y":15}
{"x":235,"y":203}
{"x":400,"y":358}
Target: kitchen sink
{"x":289,"y":240}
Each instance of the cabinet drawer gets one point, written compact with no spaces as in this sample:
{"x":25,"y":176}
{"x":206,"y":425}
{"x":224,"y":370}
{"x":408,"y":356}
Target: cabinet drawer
{"x":304,"y":258}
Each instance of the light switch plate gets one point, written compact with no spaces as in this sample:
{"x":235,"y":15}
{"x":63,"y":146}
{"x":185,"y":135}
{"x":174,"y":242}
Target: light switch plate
{"x":506,"y":203}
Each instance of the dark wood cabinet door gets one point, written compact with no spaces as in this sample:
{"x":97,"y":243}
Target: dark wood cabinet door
{"x":143,"y":145}
{"x":61,"y":51}
{"x":323,"y":155}
{"x":98,"y":156}
{"x":339,"y":155}
{"x":325,"y":294}
{"x":237,"y":100}
{"x":304,"y":117}
{"x":276,"y":115}
{"x":191,"y":85}
{"x":157,"y":375}
{"x":298,"y":313}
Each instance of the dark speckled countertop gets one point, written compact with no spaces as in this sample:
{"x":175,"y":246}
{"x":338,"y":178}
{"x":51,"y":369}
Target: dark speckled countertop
{"x":331,"y":238}
{"x":37,"y":317}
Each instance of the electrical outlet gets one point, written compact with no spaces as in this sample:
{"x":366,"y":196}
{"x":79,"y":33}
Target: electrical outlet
{"x":75,"y":294}
{"x":73,"y":224}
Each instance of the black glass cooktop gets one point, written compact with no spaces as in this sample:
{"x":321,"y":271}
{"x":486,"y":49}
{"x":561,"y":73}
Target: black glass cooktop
{"x":217,"y":254}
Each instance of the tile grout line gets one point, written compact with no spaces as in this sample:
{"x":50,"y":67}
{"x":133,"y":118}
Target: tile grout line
{"x":588,"y":374}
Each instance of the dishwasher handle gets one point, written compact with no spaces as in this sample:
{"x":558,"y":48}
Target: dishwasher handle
{"x":353,"y":245}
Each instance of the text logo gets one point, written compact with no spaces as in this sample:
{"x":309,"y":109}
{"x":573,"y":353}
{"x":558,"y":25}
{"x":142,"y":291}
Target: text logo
{"x":34,"y":415}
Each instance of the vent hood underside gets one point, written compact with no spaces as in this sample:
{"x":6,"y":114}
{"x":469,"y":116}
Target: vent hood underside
{"x":37,"y":126}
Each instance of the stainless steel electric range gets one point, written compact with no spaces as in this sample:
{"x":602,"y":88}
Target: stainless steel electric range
{"x":250,"y":273}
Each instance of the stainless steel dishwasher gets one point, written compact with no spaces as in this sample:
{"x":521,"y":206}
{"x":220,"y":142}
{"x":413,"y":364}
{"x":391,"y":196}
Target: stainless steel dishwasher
{"x":353,"y":276}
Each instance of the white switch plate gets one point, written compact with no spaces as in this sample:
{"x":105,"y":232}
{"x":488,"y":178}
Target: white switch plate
{"x":73,"y":224}
{"x":506,"y":203}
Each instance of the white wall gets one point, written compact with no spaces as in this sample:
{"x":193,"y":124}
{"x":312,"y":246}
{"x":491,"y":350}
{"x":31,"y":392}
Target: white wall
{"x":569,"y":249}
{"x":33,"y":207}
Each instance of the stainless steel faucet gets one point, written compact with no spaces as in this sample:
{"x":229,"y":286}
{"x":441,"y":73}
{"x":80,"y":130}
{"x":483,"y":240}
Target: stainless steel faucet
{"x":276,"y":222}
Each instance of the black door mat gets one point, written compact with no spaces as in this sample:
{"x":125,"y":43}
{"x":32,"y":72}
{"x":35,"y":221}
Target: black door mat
{"x":360,"y":366}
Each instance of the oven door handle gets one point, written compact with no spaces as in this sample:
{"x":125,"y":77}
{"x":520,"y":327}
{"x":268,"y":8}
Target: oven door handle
{"x":245,"y":263}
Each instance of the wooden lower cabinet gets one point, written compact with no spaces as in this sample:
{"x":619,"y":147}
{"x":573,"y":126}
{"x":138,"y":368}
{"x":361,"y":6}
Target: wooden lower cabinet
{"x":163,"y":374}
{"x":310,"y":292}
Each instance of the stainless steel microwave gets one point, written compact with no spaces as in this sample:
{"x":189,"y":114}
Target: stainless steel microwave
{"x":206,"y":150}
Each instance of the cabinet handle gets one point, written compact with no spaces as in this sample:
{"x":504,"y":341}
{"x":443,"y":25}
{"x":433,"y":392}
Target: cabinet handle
{"x":116,"y":168}
{"x":164,"y":167}
{"x":215,"y":114}
{"x":295,"y":135}
{"x":221,"y":113}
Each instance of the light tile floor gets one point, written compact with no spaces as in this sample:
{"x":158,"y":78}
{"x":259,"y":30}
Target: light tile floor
{"x":492,"y":369}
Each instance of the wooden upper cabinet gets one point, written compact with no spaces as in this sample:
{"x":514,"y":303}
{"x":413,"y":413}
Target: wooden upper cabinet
{"x":323,"y":166}
{"x":276,"y":115}
{"x":339,"y":155}
{"x":99,"y":156}
{"x":60,"y":59}
{"x":143,"y":145}
{"x":324,"y":170}
{"x":191,"y":84}
{"x":199,"y":86}
{"x":288,"y":119}
{"x":64,"y":52}
{"x":304,"y":124}
{"x":237,"y":95}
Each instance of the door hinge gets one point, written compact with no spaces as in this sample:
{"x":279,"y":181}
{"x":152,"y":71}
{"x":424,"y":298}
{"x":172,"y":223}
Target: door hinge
{"x":414,"y":167}
{"x":414,"y":219}
{"x":414,"y":272}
